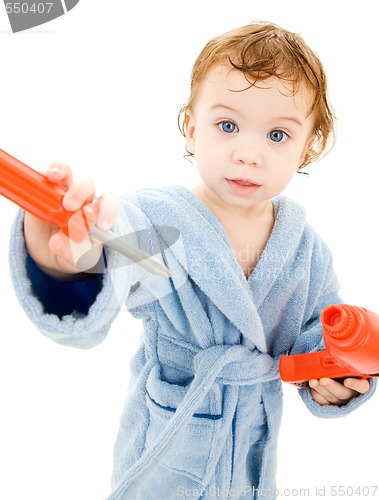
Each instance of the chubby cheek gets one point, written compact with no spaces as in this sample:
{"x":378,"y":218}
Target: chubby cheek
{"x":282,"y":173}
{"x":292,"y":161}
{"x":208,"y":156}
{"x":206,"y":163}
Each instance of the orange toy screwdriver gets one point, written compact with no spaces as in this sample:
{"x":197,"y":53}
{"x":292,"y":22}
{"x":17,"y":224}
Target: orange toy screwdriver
{"x":33,"y":192}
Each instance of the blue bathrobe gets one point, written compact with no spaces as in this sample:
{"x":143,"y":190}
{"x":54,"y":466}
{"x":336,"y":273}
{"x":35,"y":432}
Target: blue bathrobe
{"x":205,"y":399}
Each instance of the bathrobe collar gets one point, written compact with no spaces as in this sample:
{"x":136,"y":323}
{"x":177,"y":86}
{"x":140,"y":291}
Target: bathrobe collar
{"x":213,"y":265}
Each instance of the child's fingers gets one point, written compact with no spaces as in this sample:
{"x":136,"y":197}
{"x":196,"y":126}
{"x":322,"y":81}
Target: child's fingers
{"x":332,"y":391}
{"x":109,"y":206}
{"x":83,"y":253}
{"x":82,"y":191}
{"x":322,"y":392}
{"x":60,"y":172}
{"x":71,"y":256}
{"x":319,"y":399}
{"x":359,"y":385}
{"x":78,"y":193}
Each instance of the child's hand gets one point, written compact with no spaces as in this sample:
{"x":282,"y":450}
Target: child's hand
{"x":327,"y":391}
{"x":49,"y":247}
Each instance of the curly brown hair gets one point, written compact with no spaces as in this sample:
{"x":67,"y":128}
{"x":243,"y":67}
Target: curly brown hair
{"x":262,"y":50}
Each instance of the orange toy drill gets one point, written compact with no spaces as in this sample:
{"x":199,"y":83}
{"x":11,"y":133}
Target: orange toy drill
{"x":351,"y":336}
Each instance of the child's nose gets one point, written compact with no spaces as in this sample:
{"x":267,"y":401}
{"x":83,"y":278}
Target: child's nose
{"x":248,"y":151}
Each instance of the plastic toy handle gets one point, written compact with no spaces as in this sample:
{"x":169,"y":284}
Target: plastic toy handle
{"x":298,"y":369}
{"x":33,"y":192}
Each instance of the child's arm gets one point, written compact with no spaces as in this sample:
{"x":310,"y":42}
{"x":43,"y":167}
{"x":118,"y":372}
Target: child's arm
{"x":330,"y":392}
{"x":46,"y":243}
{"x":65,"y":307}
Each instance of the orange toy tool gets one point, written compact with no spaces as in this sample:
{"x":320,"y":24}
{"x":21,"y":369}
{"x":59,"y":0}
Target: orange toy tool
{"x":351,"y":336}
{"x":33,"y":192}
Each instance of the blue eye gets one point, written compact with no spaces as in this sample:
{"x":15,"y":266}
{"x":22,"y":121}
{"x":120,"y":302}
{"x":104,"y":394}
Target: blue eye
{"x":278,"y":136}
{"x":228,"y":127}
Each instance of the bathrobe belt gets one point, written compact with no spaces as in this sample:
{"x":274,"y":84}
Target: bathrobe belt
{"x":225,"y":364}
{"x":241,"y":365}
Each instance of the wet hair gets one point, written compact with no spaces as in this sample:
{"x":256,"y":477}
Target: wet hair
{"x":262,"y":50}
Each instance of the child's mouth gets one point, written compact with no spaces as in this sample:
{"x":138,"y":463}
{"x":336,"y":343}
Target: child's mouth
{"x":242,"y":186}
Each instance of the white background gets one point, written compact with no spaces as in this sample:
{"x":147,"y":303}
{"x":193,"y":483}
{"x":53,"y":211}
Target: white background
{"x":100,"y":88}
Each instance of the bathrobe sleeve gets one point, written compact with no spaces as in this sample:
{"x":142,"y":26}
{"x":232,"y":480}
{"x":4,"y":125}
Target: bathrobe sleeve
{"x":75,"y":314}
{"x":323,"y":291}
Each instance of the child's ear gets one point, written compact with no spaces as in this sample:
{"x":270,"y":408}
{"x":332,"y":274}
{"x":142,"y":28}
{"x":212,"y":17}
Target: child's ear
{"x":307,"y":147}
{"x":189,"y":121}
{"x":310,"y":142}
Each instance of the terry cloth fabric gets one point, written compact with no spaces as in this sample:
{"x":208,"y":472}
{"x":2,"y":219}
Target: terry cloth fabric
{"x":205,"y":401}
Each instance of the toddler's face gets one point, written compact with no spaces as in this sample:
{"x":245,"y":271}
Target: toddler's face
{"x":247,"y":140}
